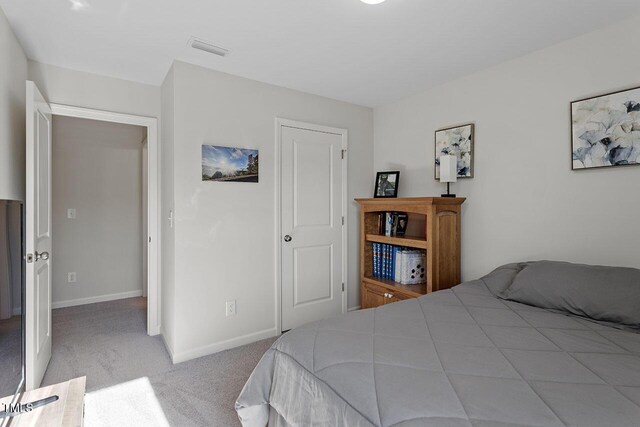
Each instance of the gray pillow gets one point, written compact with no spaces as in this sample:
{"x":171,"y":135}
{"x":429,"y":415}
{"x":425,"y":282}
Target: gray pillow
{"x":501,"y":278}
{"x":601,"y":293}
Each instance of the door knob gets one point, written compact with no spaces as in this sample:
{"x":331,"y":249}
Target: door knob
{"x":287,"y":238}
{"x":42,"y":256}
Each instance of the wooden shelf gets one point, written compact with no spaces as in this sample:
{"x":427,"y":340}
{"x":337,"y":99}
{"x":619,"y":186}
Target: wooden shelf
{"x":410,"y":241}
{"x":440,"y":217}
{"x":410,"y":290}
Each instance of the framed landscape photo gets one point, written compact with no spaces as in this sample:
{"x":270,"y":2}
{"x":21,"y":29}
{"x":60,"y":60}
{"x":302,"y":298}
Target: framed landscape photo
{"x":387,"y":184}
{"x":229,"y":164}
{"x":605,"y":130}
{"x":457,"y":141}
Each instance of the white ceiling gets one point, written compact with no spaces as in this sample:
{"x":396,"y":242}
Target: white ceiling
{"x":342,"y":49}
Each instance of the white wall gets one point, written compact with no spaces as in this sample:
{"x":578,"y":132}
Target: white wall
{"x":80,"y":89}
{"x":96,"y":168}
{"x":144,"y":173}
{"x":524,"y":202}
{"x":224,"y":232}
{"x":167,"y":256}
{"x":13,"y":74}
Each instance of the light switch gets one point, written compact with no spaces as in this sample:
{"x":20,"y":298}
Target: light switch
{"x":71,"y":213}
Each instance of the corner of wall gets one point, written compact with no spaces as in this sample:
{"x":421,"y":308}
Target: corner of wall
{"x":12,"y":113}
{"x":168,"y":293}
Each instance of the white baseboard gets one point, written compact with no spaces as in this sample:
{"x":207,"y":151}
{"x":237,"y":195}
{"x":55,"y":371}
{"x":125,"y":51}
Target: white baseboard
{"x":357,"y":307}
{"x":166,"y":344}
{"x":92,"y":300}
{"x":222,"y":345}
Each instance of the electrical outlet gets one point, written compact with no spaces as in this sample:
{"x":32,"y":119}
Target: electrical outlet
{"x":71,"y":277}
{"x":71,"y":213}
{"x":231,"y":308}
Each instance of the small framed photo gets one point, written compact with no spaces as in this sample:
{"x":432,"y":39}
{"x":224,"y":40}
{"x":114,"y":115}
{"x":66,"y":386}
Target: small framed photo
{"x":387,"y":184}
{"x":229,"y":164}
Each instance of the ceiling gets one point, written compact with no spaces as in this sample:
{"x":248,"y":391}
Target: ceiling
{"x":342,"y":49}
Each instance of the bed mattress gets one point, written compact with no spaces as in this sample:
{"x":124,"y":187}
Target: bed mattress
{"x":460,"y":357}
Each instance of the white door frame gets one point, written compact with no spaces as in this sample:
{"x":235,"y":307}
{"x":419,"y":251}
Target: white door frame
{"x":344,"y":133}
{"x":153,"y":214}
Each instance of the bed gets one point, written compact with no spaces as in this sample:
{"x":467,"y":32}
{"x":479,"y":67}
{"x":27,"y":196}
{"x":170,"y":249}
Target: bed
{"x":531,"y":344}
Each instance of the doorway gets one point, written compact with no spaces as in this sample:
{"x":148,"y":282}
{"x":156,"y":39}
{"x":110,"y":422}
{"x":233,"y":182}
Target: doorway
{"x":311,"y":227}
{"x":38,"y":238}
{"x":97,"y":211}
{"x":150,"y":195}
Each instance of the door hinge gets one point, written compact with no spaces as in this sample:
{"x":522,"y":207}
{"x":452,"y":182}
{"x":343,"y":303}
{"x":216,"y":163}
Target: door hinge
{"x":342,"y":220}
{"x":342,"y":286}
{"x":342,"y":153}
{"x":149,"y":239}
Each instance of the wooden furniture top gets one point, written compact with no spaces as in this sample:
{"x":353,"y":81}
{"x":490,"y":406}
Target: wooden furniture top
{"x":67,"y":411}
{"x":412,"y":201}
{"x":418,"y":205}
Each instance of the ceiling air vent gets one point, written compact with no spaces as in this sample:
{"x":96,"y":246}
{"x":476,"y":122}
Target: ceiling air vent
{"x":207,"y":47}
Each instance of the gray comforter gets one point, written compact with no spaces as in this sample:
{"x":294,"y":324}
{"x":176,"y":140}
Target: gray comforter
{"x":460,"y":357}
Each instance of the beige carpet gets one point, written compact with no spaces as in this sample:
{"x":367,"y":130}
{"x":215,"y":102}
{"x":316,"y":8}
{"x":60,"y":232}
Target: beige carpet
{"x":10,"y":352}
{"x":130,"y":378}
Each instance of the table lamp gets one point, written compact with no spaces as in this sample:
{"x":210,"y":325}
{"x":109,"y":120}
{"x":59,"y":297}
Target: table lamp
{"x":448,"y":171}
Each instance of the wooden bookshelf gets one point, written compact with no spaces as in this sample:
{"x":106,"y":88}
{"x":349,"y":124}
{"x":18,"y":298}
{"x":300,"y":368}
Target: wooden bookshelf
{"x":441,"y":241}
{"x":408,"y":241}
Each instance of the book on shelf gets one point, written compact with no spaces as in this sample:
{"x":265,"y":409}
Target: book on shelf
{"x":400,"y":264}
{"x":410,"y":266}
{"x":374,"y":250}
{"x":392,"y":224}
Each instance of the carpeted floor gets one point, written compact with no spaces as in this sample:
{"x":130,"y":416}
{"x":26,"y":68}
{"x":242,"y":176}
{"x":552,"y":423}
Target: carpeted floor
{"x":10,"y":352}
{"x":130,"y":378}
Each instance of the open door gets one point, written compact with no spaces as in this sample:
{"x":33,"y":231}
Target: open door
{"x":37,"y":238}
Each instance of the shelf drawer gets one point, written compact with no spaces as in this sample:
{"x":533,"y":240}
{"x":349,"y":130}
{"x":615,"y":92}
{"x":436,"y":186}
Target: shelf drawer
{"x":375,"y":295}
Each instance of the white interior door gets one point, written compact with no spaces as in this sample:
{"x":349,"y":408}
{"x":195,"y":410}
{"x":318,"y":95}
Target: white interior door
{"x":312,"y":229}
{"x":37,"y":238}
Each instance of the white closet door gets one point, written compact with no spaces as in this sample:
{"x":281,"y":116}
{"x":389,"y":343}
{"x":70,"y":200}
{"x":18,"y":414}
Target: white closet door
{"x":311,"y":226}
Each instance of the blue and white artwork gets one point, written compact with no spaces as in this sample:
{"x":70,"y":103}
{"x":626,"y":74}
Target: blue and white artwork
{"x":456,"y":141}
{"x":229,"y":164}
{"x":606,"y":130}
